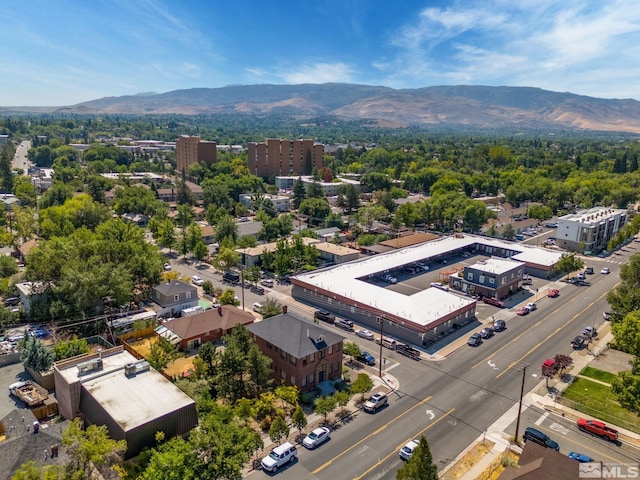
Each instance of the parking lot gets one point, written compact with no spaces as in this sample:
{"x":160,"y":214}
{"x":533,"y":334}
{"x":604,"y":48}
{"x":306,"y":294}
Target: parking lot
{"x":10,"y":374}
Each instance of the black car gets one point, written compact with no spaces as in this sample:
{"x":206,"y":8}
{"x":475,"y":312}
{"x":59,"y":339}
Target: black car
{"x":499,"y":325}
{"x":474,"y":340}
{"x":578,"y":342}
{"x":486,"y":332}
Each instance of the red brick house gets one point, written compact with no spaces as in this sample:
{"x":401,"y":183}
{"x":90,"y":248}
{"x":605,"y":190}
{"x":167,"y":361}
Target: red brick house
{"x":303,"y":353}
{"x":192,"y":331}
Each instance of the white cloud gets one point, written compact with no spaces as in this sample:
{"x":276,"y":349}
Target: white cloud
{"x":320,"y":73}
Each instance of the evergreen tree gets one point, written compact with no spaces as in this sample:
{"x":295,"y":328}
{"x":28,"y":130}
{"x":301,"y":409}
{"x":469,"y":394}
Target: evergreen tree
{"x":420,"y":466}
{"x":299,"y":193}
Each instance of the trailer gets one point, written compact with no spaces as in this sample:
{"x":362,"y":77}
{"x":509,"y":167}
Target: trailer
{"x":408,"y":351}
{"x":29,"y":392}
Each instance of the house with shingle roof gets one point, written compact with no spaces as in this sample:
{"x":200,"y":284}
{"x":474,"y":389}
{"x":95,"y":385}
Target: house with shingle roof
{"x":170,"y":298}
{"x":302,"y":353}
{"x":193,"y":330}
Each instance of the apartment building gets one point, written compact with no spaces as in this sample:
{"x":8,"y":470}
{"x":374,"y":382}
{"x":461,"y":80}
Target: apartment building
{"x":590,"y":230}
{"x":275,"y":157}
{"x":190,"y":150}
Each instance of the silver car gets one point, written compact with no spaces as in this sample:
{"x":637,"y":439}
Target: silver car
{"x":317,"y":437}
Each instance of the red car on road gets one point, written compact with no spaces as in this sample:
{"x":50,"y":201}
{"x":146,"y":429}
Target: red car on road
{"x":522,"y":311}
{"x":553,"y":293}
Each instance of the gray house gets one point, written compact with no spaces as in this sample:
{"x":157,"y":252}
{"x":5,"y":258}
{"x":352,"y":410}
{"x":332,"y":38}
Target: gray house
{"x":172,"y":297}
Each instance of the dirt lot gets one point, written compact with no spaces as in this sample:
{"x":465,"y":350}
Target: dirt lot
{"x":175,"y":368}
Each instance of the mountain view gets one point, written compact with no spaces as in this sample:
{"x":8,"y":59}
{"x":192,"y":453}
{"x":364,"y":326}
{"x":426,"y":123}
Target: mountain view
{"x":470,"y":106}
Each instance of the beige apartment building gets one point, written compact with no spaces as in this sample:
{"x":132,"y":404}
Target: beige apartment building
{"x":275,"y":157}
{"x":190,"y":150}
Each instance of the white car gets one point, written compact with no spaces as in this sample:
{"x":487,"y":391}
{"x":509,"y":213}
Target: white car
{"x":390,"y":279}
{"x":531,"y":306}
{"x":407,"y":450}
{"x":605,"y":270}
{"x":267,"y":282}
{"x":167,"y":267}
{"x":364,"y":334}
{"x":375,"y":402}
{"x":316,"y":438}
{"x":440,"y":285}
{"x":196,"y":280}
{"x":279,"y":456}
{"x":257,"y":307}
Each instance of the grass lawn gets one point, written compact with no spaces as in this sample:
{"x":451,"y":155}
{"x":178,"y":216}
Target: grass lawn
{"x":596,"y":400}
{"x":601,"y":375}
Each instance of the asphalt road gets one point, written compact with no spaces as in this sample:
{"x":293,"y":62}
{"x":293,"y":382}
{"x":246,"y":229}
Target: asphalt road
{"x":454,"y":401}
{"x":20,"y":159}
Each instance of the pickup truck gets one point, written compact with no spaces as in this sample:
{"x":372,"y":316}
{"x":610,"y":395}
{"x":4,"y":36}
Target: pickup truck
{"x":408,"y":351}
{"x":598,"y":428}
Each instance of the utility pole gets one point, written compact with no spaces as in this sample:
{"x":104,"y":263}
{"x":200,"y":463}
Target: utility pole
{"x":524,"y":371}
{"x":381,"y":340}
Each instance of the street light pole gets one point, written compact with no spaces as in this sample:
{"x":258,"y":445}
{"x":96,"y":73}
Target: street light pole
{"x":242,"y":284}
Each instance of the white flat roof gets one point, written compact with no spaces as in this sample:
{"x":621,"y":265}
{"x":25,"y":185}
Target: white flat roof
{"x":496,"y":265}
{"x":425,"y":306}
{"x":130,"y":401}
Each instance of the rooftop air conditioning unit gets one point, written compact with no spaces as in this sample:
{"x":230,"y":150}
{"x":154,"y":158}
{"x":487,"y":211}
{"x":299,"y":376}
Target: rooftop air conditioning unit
{"x":90,"y":365}
{"x":320,"y":339}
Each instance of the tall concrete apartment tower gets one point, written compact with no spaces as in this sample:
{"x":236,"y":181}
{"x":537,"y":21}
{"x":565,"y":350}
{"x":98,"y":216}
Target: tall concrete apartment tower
{"x":190,"y":150}
{"x":275,"y":157}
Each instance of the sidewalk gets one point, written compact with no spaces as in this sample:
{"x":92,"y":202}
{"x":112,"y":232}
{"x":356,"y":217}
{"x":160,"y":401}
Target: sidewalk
{"x":388,"y":383}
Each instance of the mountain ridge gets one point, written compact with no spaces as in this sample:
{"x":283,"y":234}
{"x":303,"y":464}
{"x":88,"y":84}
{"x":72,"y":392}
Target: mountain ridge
{"x":463,"y":105}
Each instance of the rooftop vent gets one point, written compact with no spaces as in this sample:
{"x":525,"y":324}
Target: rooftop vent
{"x":131,"y":369}
{"x":90,"y":365}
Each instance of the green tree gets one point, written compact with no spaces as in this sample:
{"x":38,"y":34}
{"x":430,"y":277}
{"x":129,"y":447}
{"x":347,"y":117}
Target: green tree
{"x":227,"y":228}
{"x":271,"y":307}
{"x":35,"y":355}
{"x":569,"y":263}
{"x":625,"y":298}
{"x":316,"y":209}
{"x":627,"y":333}
{"x":278,"y":429}
{"x":70,"y":348}
{"x":288,"y":394}
{"x":299,"y":193}
{"x":162,"y":353}
{"x":325,"y":405}
{"x":361,"y":385}
{"x":540,"y":212}
{"x":626,"y":387}
{"x":228,"y":297}
{"x":8,"y":266}
{"x":31,"y":470}
{"x":299,"y":419}
{"x":420,"y":466}
{"x":508,"y":232}
{"x":173,"y":460}
{"x":352,"y":349}
{"x":91,"y":448}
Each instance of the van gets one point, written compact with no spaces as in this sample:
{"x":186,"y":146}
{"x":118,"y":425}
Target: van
{"x":11,"y":301}
{"x":279,"y":456}
{"x":231,"y":276}
{"x":536,"y":436}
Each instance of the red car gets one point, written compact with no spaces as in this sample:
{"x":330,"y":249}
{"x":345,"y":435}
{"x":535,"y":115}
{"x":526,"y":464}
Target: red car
{"x":523,"y":311}
{"x":553,"y":293}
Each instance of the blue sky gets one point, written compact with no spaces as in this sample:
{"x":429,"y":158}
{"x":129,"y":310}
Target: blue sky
{"x":63,"y":52}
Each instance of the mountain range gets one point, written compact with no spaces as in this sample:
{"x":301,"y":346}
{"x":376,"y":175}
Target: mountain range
{"x":464,"y":105}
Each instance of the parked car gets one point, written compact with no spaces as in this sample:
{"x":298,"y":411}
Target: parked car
{"x":375,"y":402}
{"x":11,"y":301}
{"x":267,"y":282}
{"x":499,"y":325}
{"x":578,"y":342}
{"x":363,"y":333}
{"x":493,"y":301}
{"x":598,"y":428}
{"x":606,"y":315}
{"x":553,"y":293}
{"x":522,"y":311}
{"x":366,"y":358}
{"x":279,"y":456}
{"x":390,"y":279}
{"x":407,"y":451}
{"x":486,"y":332}
{"x":588,"y":270}
{"x":536,"y":436}
{"x":440,"y":285}
{"x":590,"y":332}
{"x":580,"y":457}
{"x":605,"y":271}
{"x":344,"y":324}
{"x":531,"y":306}
{"x":167,"y":267}
{"x":257,"y":307}
{"x":316,"y":438}
{"x":474,"y":340}
{"x":549,"y":363}
{"x":196,"y":280}
{"x":257,"y":289}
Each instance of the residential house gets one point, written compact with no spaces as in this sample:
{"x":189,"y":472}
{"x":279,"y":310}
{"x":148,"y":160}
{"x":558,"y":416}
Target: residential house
{"x":172,"y":297}
{"x":193,"y":330}
{"x":538,"y":462}
{"x":302,"y":353}
{"x":332,"y":253}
